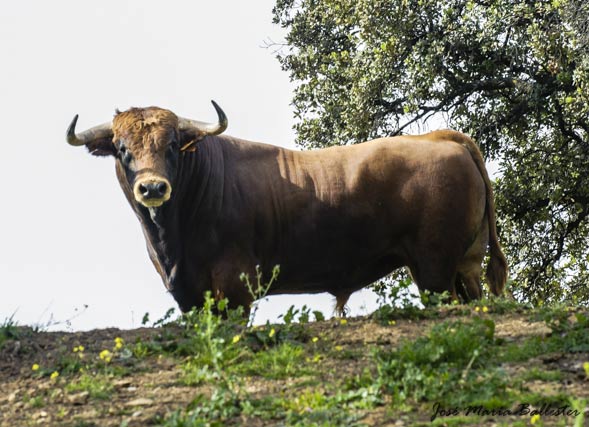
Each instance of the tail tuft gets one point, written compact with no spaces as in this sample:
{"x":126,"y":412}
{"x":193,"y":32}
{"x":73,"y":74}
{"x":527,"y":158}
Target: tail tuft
{"x":497,"y":272}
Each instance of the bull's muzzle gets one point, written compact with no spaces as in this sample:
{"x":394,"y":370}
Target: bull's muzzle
{"x":152,"y":191}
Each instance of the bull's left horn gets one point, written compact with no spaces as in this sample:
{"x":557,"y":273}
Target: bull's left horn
{"x":206,"y":128}
{"x":97,"y":132}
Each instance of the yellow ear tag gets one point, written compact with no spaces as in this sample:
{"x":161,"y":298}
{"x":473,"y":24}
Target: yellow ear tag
{"x":190,"y":146}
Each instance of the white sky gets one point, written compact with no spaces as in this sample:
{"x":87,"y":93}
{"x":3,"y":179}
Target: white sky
{"x":68,"y":237}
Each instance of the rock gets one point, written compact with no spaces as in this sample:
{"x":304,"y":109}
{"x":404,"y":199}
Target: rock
{"x":40,"y":414}
{"x":78,"y":398}
{"x":12,"y":396}
{"x":142,"y":401}
{"x":124,"y":383}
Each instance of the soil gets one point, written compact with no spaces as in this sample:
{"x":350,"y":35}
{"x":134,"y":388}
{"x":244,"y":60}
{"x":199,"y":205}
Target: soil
{"x":152,"y":388}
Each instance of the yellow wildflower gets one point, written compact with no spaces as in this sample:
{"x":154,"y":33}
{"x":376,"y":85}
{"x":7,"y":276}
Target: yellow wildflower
{"x":343,"y":322}
{"x":338,"y":348}
{"x":315,"y":339}
{"x":236,"y":339}
{"x":392,"y":322}
{"x":105,"y":355}
{"x":35,"y":367}
{"x":485,"y":309}
{"x":586,"y":367}
{"x":271,"y":333}
{"x":54,"y":375}
{"x":477,"y":308}
{"x":535,"y":419}
{"x":119,"y":343}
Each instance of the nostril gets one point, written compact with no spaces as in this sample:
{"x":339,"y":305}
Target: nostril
{"x":143,"y":189}
{"x":161,"y":188}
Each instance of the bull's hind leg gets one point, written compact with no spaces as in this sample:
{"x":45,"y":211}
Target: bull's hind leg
{"x":437,"y":275}
{"x":470,"y":266}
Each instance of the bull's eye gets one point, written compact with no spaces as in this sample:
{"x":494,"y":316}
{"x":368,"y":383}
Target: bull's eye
{"x":124,"y":155}
{"x":171,"y":147}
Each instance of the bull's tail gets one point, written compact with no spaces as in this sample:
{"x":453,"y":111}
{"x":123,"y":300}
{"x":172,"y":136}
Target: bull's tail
{"x":497,"y":268}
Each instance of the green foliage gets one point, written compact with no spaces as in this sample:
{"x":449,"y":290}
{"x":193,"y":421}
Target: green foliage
{"x":258,"y":290}
{"x":394,"y":291}
{"x":304,"y":315}
{"x":579,"y":405}
{"x":514,"y":74}
{"x":209,"y":343}
{"x":283,"y":361}
{"x":8,"y":330}
{"x":97,"y":386}
{"x":314,"y":408}
{"x":204,"y":411}
{"x":447,"y":366}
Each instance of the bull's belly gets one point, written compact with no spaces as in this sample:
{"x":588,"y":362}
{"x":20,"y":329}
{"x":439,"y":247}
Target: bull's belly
{"x":329,"y":275}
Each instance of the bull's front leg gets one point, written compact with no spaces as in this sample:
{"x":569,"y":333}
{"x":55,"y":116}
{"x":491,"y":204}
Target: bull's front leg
{"x":226,"y":282}
{"x":188,"y":290}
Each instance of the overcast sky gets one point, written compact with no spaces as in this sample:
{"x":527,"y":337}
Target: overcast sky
{"x":68,"y":237}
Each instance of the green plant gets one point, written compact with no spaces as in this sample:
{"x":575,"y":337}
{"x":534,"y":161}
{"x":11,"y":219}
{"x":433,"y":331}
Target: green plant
{"x":258,"y":290}
{"x":304,"y":315}
{"x":448,"y":365}
{"x":283,"y":361}
{"x":205,"y":411}
{"x":580,"y":406}
{"x":8,"y":330}
{"x":210,"y":344}
{"x":34,"y":401}
{"x":98,"y":386}
{"x":395,"y":290}
{"x":316,"y":408}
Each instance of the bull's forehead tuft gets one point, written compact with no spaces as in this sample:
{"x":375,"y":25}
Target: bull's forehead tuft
{"x":145,"y":126}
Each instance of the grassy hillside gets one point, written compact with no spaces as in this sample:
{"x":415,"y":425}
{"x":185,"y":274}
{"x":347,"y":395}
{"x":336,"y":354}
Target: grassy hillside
{"x":493,"y":363}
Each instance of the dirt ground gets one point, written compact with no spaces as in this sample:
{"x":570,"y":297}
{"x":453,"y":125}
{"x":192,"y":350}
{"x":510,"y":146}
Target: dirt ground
{"x":152,"y":388}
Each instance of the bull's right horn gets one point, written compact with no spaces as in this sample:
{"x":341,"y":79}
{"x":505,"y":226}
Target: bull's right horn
{"x":97,"y":132}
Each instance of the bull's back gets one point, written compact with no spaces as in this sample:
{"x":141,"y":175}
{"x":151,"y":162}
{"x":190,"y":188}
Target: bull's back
{"x":352,"y":213}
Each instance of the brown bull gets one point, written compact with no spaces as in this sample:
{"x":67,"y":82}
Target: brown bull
{"x":335,"y":220}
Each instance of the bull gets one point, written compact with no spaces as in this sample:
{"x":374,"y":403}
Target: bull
{"x":337,"y":219}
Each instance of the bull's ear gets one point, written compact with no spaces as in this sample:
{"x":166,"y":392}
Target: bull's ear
{"x":101,"y":147}
{"x":189,"y":140}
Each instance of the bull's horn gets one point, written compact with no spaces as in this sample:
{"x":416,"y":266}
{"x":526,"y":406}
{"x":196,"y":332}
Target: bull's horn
{"x":97,"y":132}
{"x":205,"y":128}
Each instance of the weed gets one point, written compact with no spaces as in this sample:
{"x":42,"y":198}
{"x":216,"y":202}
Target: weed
{"x":204,"y":411}
{"x":579,"y":405}
{"x":8,"y":330}
{"x":34,"y":401}
{"x":569,"y":334}
{"x":395,"y":290}
{"x":448,"y":365}
{"x":315,"y":408}
{"x":283,"y":361}
{"x":210,"y":344}
{"x":163,"y":321}
{"x":542,"y":375}
{"x":304,"y":315}
{"x":259,"y":290}
{"x":98,"y":386}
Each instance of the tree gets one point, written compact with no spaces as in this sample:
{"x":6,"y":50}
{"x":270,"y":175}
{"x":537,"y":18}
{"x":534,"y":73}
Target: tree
{"x":514,"y":74}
